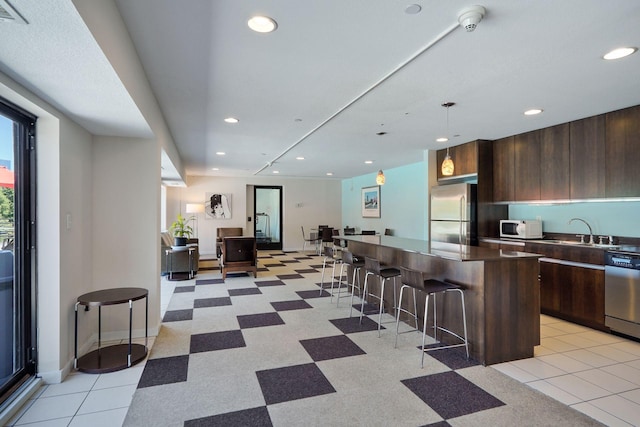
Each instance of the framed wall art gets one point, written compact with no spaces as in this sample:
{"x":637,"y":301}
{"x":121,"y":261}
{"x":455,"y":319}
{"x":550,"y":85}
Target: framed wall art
{"x":371,"y":202}
{"x":217,"y":206}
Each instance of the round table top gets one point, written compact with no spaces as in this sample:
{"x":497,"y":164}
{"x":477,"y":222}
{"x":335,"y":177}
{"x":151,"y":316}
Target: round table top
{"x":112,"y":296}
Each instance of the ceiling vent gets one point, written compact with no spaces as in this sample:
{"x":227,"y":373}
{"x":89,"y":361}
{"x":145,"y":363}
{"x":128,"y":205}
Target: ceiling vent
{"x":8,"y":13}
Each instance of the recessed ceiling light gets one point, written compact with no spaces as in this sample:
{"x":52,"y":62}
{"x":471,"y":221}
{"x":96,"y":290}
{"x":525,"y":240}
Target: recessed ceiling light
{"x":262,"y":24}
{"x":412,"y":9}
{"x":533,"y":112}
{"x":329,"y":173}
{"x":276,"y":171}
{"x":299,"y":158}
{"x":368,"y":162}
{"x":231,"y":120}
{"x":220,"y":153}
{"x":620,"y":52}
{"x":442,"y":139}
{"x":215,"y":169}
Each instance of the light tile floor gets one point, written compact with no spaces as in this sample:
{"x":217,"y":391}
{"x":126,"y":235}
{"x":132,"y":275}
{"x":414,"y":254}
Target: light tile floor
{"x":593,"y":372}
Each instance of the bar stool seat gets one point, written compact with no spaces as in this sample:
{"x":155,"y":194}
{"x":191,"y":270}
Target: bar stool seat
{"x":432,"y":287}
{"x":356,"y":263}
{"x":373,"y":268}
{"x":329,"y":256}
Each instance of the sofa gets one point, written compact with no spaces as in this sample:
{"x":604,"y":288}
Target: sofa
{"x":223,"y":232}
{"x":179,"y":261}
{"x":239,"y":254}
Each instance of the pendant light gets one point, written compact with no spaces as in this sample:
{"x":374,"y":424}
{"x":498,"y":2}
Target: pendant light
{"x":380,"y":178}
{"x":447,"y":164}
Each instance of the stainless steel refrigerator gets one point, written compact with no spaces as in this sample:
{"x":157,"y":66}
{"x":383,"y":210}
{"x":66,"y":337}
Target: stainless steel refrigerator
{"x":454,"y":214}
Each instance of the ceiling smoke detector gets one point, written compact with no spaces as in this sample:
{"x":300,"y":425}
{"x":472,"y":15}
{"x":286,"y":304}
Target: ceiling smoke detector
{"x":470,"y":17}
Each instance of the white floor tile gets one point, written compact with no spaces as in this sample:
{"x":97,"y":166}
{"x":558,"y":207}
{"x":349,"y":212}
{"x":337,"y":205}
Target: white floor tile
{"x":556,"y":345}
{"x":628,"y":346}
{"x":554,"y":392}
{"x":565,"y":363}
{"x":606,"y":380}
{"x":106,"y":399}
{"x":590,"y":358}
{"x":119,"y":378}
{"x":633,"y":395}
{"x":571,"y":328}
{"x":613,"y":353}
{"x":620,"y":407}
{"x":538,"y":368}
{"x":547,"y":331}
{"x":49,"y":408}
{"x":541,"y":350}
{"x":515,"y":372}
{"x":601,"y":337}
{"x":579,"y":387}
{"x":600,"y":415}
{"x":58,"y":422}
{"x":111,"y":418}
{"x":578,"y":340}
{"x":624,"y":371}
{"x":73,"y":383}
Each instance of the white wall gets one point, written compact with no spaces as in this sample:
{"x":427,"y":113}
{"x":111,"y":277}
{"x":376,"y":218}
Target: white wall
{"x":306,"y":202}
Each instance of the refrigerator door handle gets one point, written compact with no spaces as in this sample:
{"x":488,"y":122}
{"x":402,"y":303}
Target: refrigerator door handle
{"x":462,"y":206}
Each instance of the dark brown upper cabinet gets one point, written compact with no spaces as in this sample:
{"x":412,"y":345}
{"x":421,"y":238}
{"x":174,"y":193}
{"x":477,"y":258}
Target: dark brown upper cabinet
{"x":554,"y":163}
{"x":465,"y":160}
{"x":527,"y":166}
{"x":623,"y":153}
{"x":503,"y":170}
{"x":587,"y":153}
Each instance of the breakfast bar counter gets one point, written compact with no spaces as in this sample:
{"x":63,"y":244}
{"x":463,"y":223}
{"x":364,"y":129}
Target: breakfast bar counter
{"x":502,"y":291}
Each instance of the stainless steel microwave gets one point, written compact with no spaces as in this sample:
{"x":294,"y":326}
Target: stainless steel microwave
{"x":521,"y":229}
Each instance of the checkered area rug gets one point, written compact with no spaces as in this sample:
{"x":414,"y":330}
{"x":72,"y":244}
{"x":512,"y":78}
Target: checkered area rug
{"x":277,"y":350}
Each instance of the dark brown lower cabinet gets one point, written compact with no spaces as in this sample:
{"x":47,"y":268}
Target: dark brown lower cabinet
{"x":573,"y":293}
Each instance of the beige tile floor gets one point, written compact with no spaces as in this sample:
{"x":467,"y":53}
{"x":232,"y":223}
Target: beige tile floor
{"x":593,"y":372}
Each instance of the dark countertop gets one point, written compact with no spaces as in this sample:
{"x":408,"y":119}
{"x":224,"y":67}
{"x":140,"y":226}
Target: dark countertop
{"x":442,"y":250}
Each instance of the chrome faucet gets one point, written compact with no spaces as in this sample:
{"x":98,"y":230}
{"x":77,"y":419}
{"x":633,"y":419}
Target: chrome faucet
{"x":591,"y":242}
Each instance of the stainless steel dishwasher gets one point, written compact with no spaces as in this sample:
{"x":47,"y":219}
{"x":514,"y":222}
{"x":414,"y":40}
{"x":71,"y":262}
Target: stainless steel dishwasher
{"x":622,"y":292}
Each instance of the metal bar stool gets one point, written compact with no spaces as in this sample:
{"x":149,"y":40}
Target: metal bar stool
{"x":433,"y":287}
{"x":356,"y":264}
{"x":372,"y":267}
{"x":329,"y":255}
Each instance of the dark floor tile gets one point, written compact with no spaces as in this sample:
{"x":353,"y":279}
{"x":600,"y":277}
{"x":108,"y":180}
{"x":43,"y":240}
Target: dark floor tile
{"x":327,"y":348}
{"x":438,"y":424}
{"x":167,"y":370}
{"x":259,"y":320}
{"x":313,"y":294}
{"x":178,"y":276}
{"x":307,"y":271}
{"x":180,"y":289}
{"x":316,"y":266}
{"x":244,"y":291}
{"x":232,"y":275}
{"x":451,"y":395}
{"x":178,"y":315}
{"x":264,"y":256}
{"x":454,"y":358}
{"x":278,"y":254}
{"x":289,"y":276}
{"x":209,"y":281}
{"x":369,"y":308}
{"x":212,"y":268}
{"x":211,"y":302}
{"x":290,"y":261}
{"x":302,"y":257}
{"x":216,"y":341}
{"x":255,"y":417}
{"x":270,"y":283}
{"x":352,"y":324}
{"x":279,"y":264}
{"x":290,"y":305}
{"x":292,"y":383}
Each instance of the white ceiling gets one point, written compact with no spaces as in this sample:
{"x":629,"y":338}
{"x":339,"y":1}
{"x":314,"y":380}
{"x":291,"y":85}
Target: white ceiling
{"x":311,"y":87}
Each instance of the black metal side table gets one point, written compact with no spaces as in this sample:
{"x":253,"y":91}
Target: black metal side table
{"x":113,"y":357}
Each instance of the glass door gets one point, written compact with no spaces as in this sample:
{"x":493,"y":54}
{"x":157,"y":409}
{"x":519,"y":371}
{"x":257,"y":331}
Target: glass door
{"x":17,"y":222}
{"x":267,"y":214}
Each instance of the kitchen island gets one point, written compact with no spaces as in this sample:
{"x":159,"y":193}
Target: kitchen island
{"x":502,"y":292}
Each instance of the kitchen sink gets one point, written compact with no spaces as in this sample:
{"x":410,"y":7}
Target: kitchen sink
{"x":578,"y":243}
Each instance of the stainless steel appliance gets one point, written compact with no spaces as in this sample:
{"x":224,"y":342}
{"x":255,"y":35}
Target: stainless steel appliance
{"x":622,"y":292}
{"x":521,"y":229}
{"x":454,"y":214}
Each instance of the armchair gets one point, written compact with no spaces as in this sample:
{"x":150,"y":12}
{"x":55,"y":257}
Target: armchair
{"x":239,"y":254}
{"x":223,"y":232}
